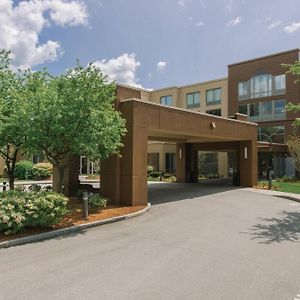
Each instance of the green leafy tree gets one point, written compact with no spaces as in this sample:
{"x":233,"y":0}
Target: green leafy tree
{"x":73,"y":114}
{"x":293,"y":142}
{"x":12,"y":103}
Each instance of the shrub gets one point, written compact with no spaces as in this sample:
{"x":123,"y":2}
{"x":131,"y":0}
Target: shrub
{"x":150,"y":169}
{"x":45,"y":209}
{"x":35,"y":188}
{"x":19,"y":210}
{"x":41,"y":171}
{"x":154,"y":174}
{"x":20,"y":188}
{"x":23,"y":169}
{"x":96,"y":202}
{"x":48,"y":188}
{"x":287,"y":179}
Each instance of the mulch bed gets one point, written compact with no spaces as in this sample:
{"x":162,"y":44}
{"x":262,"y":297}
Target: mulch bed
{"x":74,"y":217}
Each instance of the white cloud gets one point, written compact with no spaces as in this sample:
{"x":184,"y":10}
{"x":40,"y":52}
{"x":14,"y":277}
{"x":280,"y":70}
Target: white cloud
{"x":121,"y":69}
{"x":235,"y":21}
{"x":273,"y":25}
{"x":22,"y":24}
{"x":292,"y":28}
{"x":199,"y":24}
{"x":161,"y":66}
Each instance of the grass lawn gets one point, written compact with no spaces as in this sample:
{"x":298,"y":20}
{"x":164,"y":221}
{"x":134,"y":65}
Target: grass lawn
{"x":288,"y":187}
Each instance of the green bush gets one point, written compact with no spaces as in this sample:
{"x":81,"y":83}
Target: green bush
{"x":154,"y":174}
{"x":287,"y":179}
{"x":23,"y":169}
{"x":35,"y":188}
{"x":96,"y":202}
{"x":19,"y":210}
{"x":150,"y":169}
{"x":41,"y":171}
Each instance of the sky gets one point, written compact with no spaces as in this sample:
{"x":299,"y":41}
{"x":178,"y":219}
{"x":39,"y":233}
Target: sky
{"x":150,"y":44}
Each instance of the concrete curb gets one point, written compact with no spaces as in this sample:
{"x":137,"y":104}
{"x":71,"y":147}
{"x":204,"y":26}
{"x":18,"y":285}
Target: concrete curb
{"x":285,"y":195}
{"x":74,"y":229}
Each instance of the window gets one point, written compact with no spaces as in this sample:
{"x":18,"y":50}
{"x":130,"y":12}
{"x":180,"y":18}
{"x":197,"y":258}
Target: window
{"x":215,"y":112}
{"x":279,"y":84}
{"x":243,"y":109}
{"x":166,"y":100}
{"x":170,"y":162}
{"x":279,"y":110}
{"x":261,"y":85}
{"x":153,"y":160}
{"x":243,"y":89}
{"x":213,"y":96}
{"x":272,"y":134}
{"x":266,"y":111}
{"x":193,"y":100}
{"x":207,"y":163}
{"x":254,"y":112}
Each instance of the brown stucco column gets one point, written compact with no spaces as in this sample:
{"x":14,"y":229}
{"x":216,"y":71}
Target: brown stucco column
{"x":248,"y":163}
{"x":180,"y":162}
{"x":186,"y":163}
{"x":133,"y":167}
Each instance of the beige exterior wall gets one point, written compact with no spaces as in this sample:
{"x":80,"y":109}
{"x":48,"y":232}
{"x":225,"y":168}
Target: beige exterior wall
{"x":179,"y":95}
{"x":2,"y":164}
{"x":161,"y":149}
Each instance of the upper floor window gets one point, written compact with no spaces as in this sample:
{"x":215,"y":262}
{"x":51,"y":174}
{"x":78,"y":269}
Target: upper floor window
{"x":243,"y":89}
{"x":213,"y":96}
{"x":279,"y":81}
{"x":193,"y":100}
{"x":215,"y":112}
{"x":264,"y":111}
{"x":261,"y":85}
{"x":166,"y":100}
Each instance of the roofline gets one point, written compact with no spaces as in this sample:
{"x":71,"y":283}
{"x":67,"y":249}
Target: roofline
{"x":189,"y":85}
{"x":263,"y":57}
{"x":187,"y":111}
{"x":134,"y":87}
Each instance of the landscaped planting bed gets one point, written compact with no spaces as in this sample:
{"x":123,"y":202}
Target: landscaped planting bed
{"x":25,"y":214}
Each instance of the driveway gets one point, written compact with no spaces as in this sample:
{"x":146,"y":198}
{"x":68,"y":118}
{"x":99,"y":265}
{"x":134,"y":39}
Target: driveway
{"x":203,"y":241}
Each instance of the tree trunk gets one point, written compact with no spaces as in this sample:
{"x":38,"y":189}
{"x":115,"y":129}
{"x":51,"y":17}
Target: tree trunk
{"x":58,"y":178}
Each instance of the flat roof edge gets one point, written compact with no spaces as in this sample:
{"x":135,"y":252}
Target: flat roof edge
{"x":263,"y":57}
{"x":187,"y":111}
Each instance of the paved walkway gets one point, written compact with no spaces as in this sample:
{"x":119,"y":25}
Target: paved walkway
{"x":203,"y":241}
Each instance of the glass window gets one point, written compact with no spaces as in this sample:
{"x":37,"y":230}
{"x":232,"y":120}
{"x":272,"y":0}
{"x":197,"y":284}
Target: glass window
{"x":193,"y":100}
{"x":215,"y":112}
{"x":170,"y":162}
{"x":254,"y":112}
{"x":213,"y":96}
{"x":266,"y":111}
{"x":243,"y":90}
{"x":166,"y":100}
{"x":279,"y":81}
{"x":243,"y":109}
{"x":261,"y":86}
{"x":279,"y":109}
{"x":272,"y":134}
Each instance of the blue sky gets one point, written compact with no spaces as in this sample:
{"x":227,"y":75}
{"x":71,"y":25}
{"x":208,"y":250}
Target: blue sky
{"x":148,"y":43}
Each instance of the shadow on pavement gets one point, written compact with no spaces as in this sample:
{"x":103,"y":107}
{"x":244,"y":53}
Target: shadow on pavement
{"x":286,"y":228}
{"x":159,"y":193}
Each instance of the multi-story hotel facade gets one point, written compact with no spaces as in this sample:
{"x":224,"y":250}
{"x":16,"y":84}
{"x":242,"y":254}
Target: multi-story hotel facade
{"x":258,"y":88}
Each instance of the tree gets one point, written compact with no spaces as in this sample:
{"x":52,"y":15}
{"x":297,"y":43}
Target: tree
{"x":293,"y":142}
{"x":73,"y":114}
{"x":12,"y":136}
